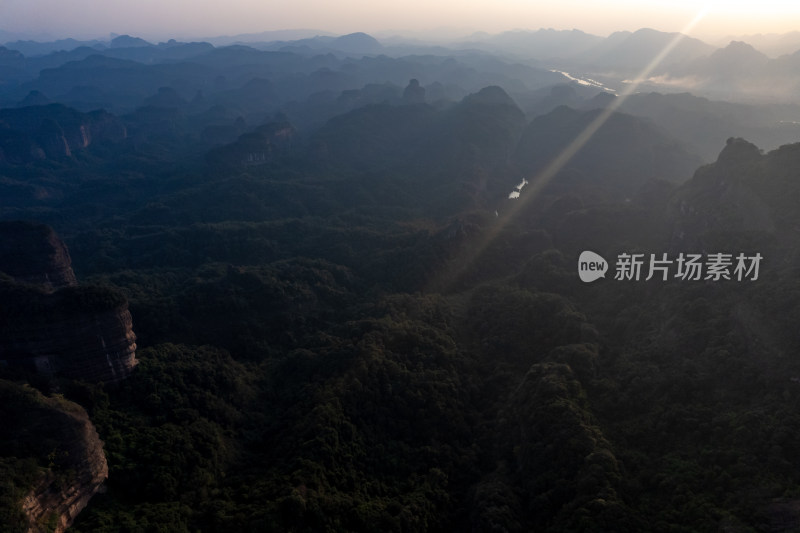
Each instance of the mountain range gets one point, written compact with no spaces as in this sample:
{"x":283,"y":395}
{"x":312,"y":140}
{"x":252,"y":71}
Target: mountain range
{"x":736,"y":71}
{"x":354,"y":272}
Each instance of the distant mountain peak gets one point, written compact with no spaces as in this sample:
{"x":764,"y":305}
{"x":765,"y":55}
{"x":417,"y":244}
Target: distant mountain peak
{"x":126,"y":41}
{"x":619,"y":35}
{"x":601,"y":100}
{"x":492,"y":95}
{"x":733,"y":61}
{"x":359,"y":35}
{"x":650,"y":31}
{"x":8,"y":54}
{"x":738,"y":150}
{"x":649,"y":35}
{"x":739,"y":45}
{"x":740,"y":50}
{"x":34,"y":97}
{"x":357,"y":42}
{"x":631,"y":51}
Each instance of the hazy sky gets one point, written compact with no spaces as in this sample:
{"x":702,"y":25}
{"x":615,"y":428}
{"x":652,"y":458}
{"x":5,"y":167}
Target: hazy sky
{"x":163,"y":19}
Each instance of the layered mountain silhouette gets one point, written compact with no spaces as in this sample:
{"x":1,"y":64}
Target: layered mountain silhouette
{"x":542,"y":43}
{"x":631,"y":52}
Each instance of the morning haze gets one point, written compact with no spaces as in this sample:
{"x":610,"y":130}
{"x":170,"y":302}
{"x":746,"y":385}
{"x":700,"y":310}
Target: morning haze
{"x":159,"y":20}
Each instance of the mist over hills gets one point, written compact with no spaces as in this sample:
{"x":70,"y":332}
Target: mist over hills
{"x":631,"y":52}
{"x":773,"y":44}
{"x":353,"y":271}
{"x":691,"y":64}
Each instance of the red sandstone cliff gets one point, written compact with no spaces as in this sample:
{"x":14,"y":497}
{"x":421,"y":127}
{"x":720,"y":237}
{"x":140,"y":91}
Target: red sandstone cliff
{"x":33,"y":253}
{"x":58,"y":435}
{"x":50,"y":324}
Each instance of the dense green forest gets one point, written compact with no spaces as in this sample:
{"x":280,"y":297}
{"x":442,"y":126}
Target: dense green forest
{"x":350,"y":326}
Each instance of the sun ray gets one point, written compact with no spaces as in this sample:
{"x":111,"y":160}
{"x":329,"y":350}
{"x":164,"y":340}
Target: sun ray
{"x":538,"y":182}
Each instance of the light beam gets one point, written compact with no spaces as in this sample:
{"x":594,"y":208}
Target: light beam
{"x":539,"y":181}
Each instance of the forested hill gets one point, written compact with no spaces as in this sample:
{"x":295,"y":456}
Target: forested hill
{"x":357,"y":327}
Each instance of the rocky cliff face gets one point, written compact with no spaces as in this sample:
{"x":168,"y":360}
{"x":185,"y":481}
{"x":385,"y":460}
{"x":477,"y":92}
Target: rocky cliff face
{"x":255,"y":148}
{"x":51,"y":325}
{"x":57,"y":499}
{"x":33,"y":253}
{"x":60,"y":338}
{"x":53,"y":131}
{"x":58,"y":435}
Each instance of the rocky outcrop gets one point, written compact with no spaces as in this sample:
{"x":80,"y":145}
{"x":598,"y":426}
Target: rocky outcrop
{"x":48,"y":323}
{"x":258,"y":147}
{"x":60,"y":500}
{"x":414,"y":93}
{"x":77,"y":332}
{"x":33,"y":253}
{"x":53,"y":131}
{"x":58,"y":435}
{"x":265,"y":142}
{"x":55,"y":334}
{"x":743,"y":193}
